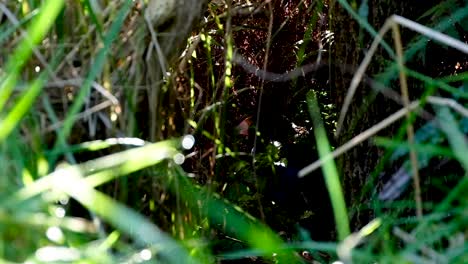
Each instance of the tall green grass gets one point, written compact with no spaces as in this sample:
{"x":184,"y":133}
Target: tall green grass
{"x":42,"y":182}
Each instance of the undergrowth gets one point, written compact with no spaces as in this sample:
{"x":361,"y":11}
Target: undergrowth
{"x":130,"y":136}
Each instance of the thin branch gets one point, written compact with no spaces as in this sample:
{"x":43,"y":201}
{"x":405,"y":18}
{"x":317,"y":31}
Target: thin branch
{"x":450,"y":103}
{"x":410,"y":239}
{"x":82,"y":115}
{"x":275,"y":77}
{"x":359,"y":138}
{"x":25,"y":35}
{"x":359,"y":74}
{"x":378,"y":127}
{"x":409,"y":127}
{"x":429,"y":32}
{"x":454,"y":43}
{"x":77,"y":82}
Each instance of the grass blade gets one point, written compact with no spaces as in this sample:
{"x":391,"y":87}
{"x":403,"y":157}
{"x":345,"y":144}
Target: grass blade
{"x":329,"y":170}
{"x":36,"y":32}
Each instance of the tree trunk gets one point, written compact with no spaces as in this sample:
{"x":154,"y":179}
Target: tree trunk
{"x":368,"y":107}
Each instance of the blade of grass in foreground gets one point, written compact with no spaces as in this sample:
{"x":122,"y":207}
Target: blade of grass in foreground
{"x":6,"y":30}
{"x":36,"y":32}
{"x":72,"y":181}
{"x":126,"y":220}
{"x":329,"y":170}
{"x":456,"y":138}
{"x":100,"y":170}
{"x":25,"y":102}
{"x":238,"y":223}
{"x":107,"y":168}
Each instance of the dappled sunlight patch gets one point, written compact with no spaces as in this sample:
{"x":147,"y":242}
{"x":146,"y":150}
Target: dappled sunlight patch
{"x":57,"y":254}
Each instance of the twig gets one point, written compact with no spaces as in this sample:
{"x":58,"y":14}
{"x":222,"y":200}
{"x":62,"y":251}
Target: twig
{"x":450,"y":103}
{"x":408,"y":238}
{"x":25,"y":35}
{"x":378,"y":127}
{"x":393,"y":22}
{"x":275,"y":77}
{"x":359,"y":138}
{"x":454,"y":43}
{"x":429,"y":32}
{"x":83,"y":114}
{"x":77,"y":82}
{"x":409,"y":127}
{"x":359,"y":74}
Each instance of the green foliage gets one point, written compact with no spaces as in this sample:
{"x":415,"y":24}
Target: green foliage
{"x":84,"y":88}
{"x":329,"y":170}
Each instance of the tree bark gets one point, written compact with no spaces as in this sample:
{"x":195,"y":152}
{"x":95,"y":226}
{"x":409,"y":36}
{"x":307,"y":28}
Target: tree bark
{"x":368,"y":107}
